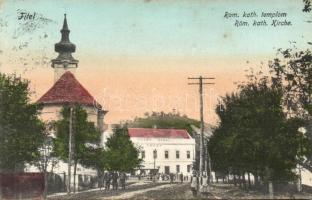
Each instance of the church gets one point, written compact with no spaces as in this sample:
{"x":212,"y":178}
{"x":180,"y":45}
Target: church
{"x":66,"y":89}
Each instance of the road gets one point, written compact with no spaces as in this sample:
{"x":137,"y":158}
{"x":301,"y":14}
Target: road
{"x":149,"y":190}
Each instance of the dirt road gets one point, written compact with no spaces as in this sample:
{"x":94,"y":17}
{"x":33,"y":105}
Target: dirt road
{"x":149,"y":190}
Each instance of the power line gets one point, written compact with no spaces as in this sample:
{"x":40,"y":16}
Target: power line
{"x":70,"y":148}
{"x":201,"y":83}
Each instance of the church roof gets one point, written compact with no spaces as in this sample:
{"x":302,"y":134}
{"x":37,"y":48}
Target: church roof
{"x":158,"y":133}
{"x":67,"y":90}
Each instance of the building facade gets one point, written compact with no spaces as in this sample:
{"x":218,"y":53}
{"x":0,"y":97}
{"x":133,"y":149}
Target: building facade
{"x":165,"y":150}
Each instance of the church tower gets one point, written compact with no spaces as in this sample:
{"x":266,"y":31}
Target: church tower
{"x":64,"y":61}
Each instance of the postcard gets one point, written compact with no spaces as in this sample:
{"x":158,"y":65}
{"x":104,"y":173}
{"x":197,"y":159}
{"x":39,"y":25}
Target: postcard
{"x":155,"y":99}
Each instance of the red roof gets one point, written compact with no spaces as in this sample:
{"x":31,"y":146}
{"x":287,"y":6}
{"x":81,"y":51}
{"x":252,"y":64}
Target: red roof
{"x":158,"y":133}
{"x":67,"y":90}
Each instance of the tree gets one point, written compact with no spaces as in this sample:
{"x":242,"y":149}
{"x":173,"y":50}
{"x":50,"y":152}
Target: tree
{"x":46,"y":157}
{"x":254,"y":134}
{"x":86,"y":136}
{"x":307,"y":6}
{"x":96,"y":159}
{"x":164,"y":120}
{"x":120,"y":152}
{"x":21,"y":131}
{"x":292,"y":70}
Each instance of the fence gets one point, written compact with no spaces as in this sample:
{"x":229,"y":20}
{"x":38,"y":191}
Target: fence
{"x":86,"y":182}
{"x":21,"y":185}
{"x":58,"y":182}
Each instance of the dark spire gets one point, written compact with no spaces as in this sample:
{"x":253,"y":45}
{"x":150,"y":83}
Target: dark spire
{"x":65,"y":26}
{"x":65,"y":47}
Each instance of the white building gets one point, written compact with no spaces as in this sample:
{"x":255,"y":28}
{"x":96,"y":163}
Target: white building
{"x":168,"y":150}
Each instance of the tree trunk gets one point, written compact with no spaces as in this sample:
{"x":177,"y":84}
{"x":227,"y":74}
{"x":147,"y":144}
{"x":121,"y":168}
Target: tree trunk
{"x":240,"y":180}
{"x":45,"y":191}
{"x":309,"y":128}
{"x":308,"y":163}
{"x":271,"y":191}
{"x":244,"y":180}
{"x":100,"y":178}
{"x":249,"y":183}
{"x":234,"y":176}
{"x":44,"y":170}
{"x":75,"y":168}
{"x":256,"y":179}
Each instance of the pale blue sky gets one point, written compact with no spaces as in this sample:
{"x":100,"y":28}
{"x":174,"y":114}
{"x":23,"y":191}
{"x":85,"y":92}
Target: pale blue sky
{"x":163,"y":28}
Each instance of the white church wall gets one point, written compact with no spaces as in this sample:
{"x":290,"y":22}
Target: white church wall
{"x":53,"y":113}
{"x":92,"y":114}
{"x":59,"y":70}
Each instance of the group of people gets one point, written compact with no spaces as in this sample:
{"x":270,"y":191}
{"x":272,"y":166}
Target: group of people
{"x":171,"y":177}
{"x":115,"y":178}
{"x":199,"y":184}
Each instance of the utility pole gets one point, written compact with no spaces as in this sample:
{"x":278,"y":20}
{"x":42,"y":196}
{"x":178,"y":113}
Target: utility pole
{"x":201,"y":109}
{"x":70,"y":149}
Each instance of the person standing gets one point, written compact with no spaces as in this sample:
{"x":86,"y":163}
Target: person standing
{"x":171,"y":177}
{"x":204,"y":185}
{"x":108,"y":179}
{"x":115,"y":181}
{"x":194,"y":184}
{"x":123,"y":180}
{"x":181,"y":177}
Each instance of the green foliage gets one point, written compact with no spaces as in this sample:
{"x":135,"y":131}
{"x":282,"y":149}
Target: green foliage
{"x":85,"y":136}
{"x":95,"y":158}
{"x":165,"y":120}
{"x":21,"y":131}
{"x":254,"y":134}
{"x":120,"y":153}
{"x":293,"y":71}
